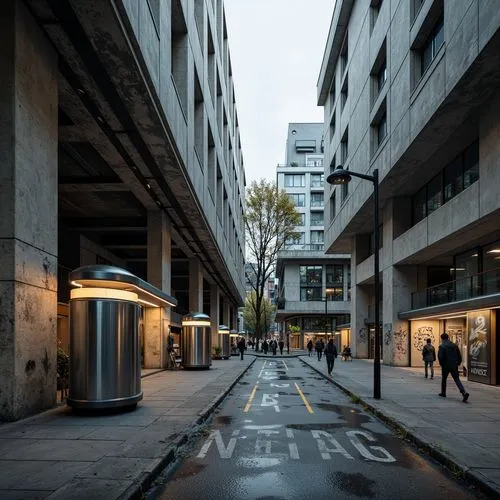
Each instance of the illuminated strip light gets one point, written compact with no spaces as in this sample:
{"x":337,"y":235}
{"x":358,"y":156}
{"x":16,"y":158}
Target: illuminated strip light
{"x":142,"y":301}
{"x":103,"y":293}
{"x":75,"y":283}
{"x":196,"y":323}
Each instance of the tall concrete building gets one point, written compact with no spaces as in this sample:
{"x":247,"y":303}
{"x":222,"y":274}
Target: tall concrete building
{"x":313,"y":290}
{"x":410,"y":87}
{"x":119,"y":145}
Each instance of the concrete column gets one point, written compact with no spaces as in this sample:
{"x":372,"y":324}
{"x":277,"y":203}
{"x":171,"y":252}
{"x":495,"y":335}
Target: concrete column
{"x":226,"y":311}
{"x":28,"y":215}
{"x":157,"y":319}
{"x":195,"y":285}
{"x":359,"y":307}
{"x":214,"y":313}
{"x":398,"y":283}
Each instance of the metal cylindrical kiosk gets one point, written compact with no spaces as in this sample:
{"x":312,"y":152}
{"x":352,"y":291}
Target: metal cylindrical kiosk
{"x":105,"y":357}
{"x":224,"y":343}
{"x":233,"y":339}
{"x":196,"y":341}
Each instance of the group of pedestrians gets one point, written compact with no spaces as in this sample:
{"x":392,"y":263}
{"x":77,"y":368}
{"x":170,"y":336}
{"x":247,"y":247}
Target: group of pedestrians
{"x":273,"y":346}
{"x":450,"y":358}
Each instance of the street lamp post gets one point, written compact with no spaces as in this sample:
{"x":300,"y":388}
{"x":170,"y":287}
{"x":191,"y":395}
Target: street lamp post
{"x":340,"y":176}
{"x":325,"y":298}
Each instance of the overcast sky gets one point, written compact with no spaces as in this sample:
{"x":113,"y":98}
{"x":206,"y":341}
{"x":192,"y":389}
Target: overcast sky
{"x":276,"y":49}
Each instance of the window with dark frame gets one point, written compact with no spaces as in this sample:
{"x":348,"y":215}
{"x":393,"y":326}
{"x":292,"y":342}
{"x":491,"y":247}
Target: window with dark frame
{"x":382,"y":129}
{"x":298,"y":199}
{"x":333,"y":206}
{"x":344,"y":94}
{"x":311,"y":282}
{"x":335,"y":282}
{"x":431,"y":47}
{"x":295,"y":180}
{"x":381,"y":76}
{"x":317,"y":219}
{"x":456,"y":176}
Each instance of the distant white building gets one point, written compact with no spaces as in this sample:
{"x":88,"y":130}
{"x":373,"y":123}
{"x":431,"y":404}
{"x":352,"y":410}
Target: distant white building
{"x":313,"y":291}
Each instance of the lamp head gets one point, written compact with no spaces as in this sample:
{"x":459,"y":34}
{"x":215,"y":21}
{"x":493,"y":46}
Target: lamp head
{"x":339,"y":176}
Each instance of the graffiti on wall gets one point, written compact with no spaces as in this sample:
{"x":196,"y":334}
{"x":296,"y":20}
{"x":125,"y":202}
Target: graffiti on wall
{"x":387,"y":333}
{"x":363,"y":335}
{"x":421,"y":335}
{"x":400,"y":342}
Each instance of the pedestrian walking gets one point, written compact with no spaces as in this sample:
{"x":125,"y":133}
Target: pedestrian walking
{"x":429,"y":356}
{"x":450,"y":357}
{"x":265,"y":346}
{"x":274,"y":346}
{"x":241,"y":347}
{"x":281,"y":345}
{"x":310,"y":347}
{"x":330,"y":355}
{"x":319,"y":349}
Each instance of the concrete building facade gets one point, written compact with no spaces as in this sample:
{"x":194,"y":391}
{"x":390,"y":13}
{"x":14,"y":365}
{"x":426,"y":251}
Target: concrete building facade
{"x":313,"y":289}
{"x":409,"y":87}
{"x":120,"y":145}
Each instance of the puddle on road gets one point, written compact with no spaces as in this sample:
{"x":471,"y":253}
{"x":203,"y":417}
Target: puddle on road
{"x":351,"y":417}
{"x":187,"y":470}
{"x":223,"y":420}
{"x":354,"y":484}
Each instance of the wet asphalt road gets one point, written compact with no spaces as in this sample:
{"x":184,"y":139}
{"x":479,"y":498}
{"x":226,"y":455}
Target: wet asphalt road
{"x":285,"y":432}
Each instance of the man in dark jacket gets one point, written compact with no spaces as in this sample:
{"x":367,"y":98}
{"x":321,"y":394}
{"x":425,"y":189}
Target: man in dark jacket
{"x":241,"y":347}
{"x":450,"y":358}
{"x":330,"y":355}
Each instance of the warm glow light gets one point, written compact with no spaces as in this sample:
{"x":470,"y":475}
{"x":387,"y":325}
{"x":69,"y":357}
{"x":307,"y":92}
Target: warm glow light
{"x":495,"y":250}
{"x":74,"y":283}
{"x":196,"y":323}
{"x":103,"y":293}
{"x":142,"y":301}
{"x":224,"y":332}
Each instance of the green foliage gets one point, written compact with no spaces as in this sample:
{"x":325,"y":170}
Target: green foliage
{"x":266,"y":313}
{"x":62,"y":363}
{"x":270,"y":221}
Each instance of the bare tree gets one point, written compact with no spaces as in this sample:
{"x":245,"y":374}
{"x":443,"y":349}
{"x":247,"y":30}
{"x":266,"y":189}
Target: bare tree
{"x":270,"y":222}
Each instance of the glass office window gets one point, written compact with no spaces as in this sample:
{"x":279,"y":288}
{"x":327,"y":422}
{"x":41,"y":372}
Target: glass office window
{"x":317,"y":180}
{"x":317,"y":199}
{"x":299,"y":200}
{"x":317,"y":219}
{"x":434,"y":194}
{"x":453,"y":179}
{"x":419,"y":205}
{"x":471,"y":164}
{"x":295,"y":180}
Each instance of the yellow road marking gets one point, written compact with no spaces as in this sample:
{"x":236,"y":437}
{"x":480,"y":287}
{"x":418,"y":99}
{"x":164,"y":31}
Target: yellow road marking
{"x":263,"y":366}
{"x":308,"y":406}
{"x":250,"y":399}
{"x":285,"y":364}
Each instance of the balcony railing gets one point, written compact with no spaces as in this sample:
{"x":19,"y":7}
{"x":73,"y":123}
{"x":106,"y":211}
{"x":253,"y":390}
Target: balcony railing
{"x":470,"y":287}
{"x":305,"y":246}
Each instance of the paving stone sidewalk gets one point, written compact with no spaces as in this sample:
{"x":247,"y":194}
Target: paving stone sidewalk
{"x":464,"y":436}
{"x":59,"y":455}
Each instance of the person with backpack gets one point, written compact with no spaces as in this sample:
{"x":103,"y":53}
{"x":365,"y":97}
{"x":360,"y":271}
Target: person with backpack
{"x":330,"y":355}
{"x":429,"y":356}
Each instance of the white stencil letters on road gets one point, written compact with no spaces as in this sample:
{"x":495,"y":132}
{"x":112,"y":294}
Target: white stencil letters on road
{"x":353,"y":436}
{"x":323,"y":448}
{"x":224,"y":452}
{"x":270,"y":400}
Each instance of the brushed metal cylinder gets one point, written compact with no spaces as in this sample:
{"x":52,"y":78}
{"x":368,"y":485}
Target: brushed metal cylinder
{"x":225,"y":345}
{"x":196,"y":346}
{"x":105,"y":368}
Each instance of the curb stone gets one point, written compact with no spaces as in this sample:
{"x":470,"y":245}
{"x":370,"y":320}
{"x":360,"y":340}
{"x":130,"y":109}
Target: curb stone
{"x":412,"y":437}
{"x":142,"y":484}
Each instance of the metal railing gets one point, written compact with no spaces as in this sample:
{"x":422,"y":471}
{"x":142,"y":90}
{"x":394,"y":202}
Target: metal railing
{"x":304,"y":246}
{"x":469,"y":287}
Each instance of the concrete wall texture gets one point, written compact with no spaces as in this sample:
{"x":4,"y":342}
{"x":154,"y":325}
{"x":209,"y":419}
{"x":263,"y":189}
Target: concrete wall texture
{"x":145,"y":89}
{"x":406,"y":97}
